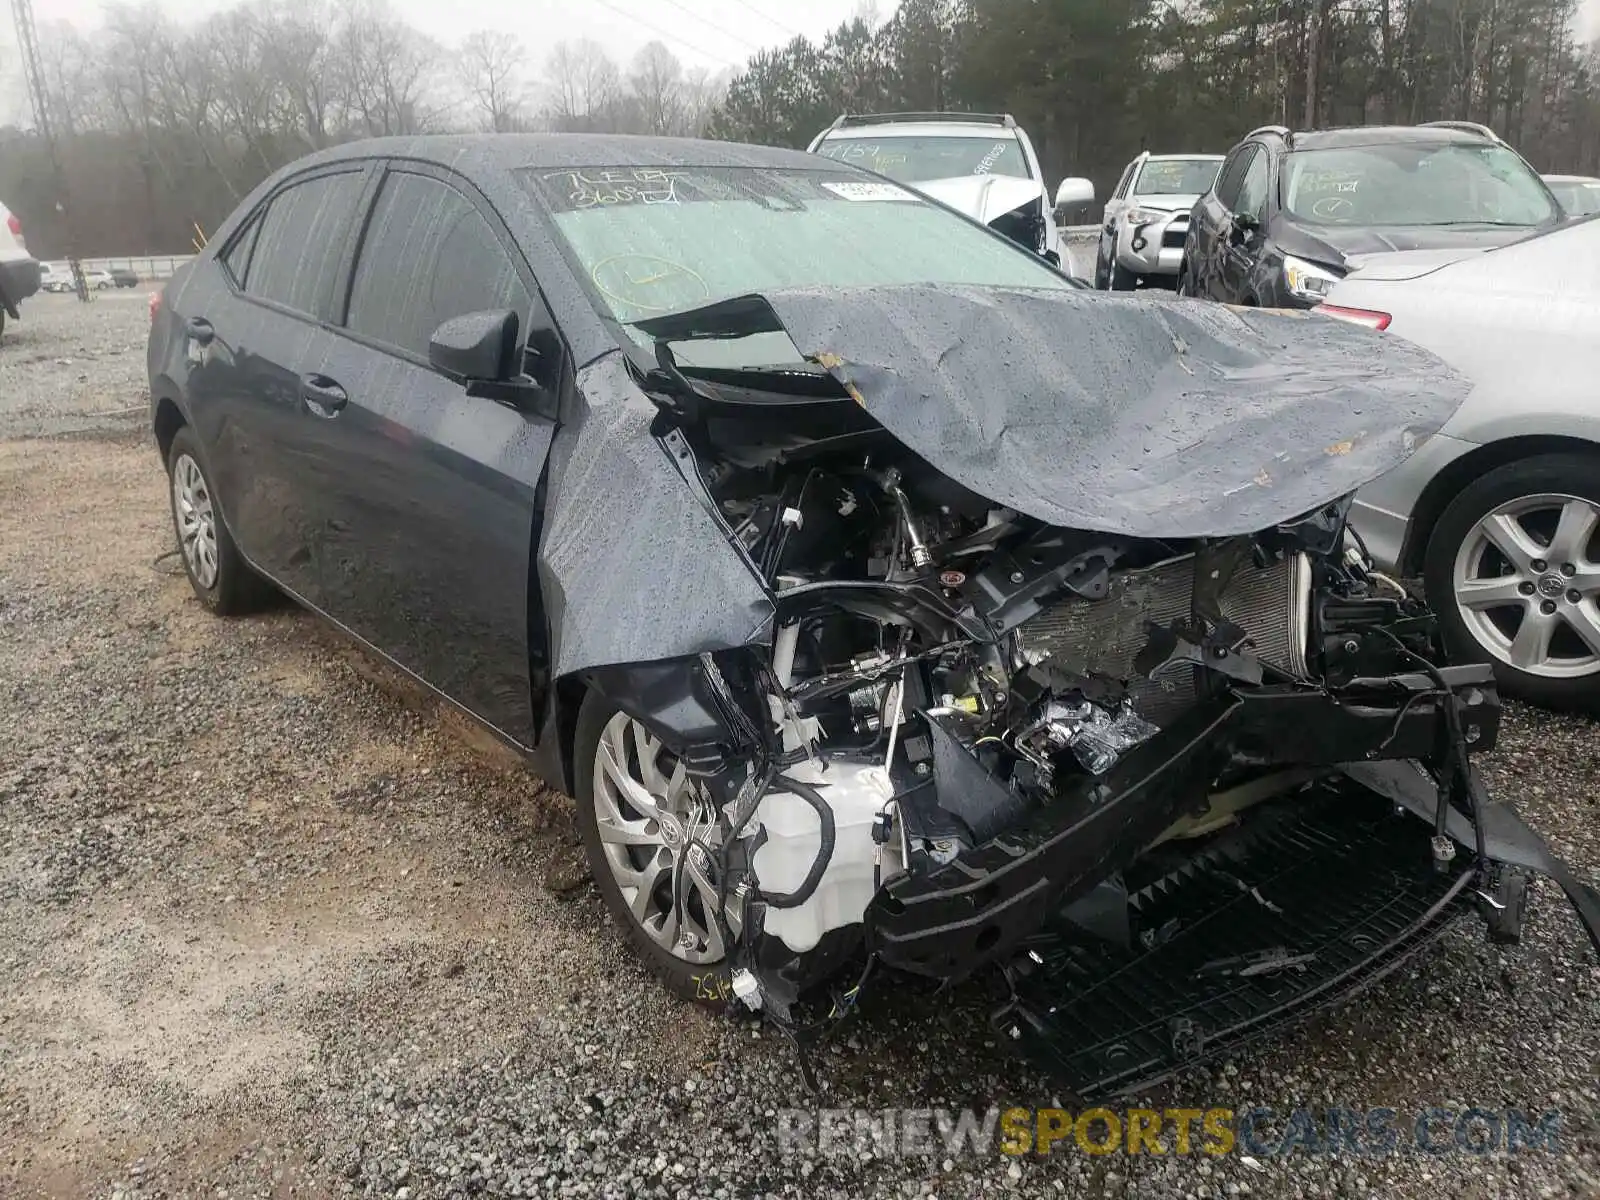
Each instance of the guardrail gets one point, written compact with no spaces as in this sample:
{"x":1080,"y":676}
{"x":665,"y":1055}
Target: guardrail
{"x":145,"y":266}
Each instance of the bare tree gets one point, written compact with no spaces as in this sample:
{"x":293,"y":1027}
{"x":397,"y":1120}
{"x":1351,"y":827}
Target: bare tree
{"x":492,"y":63}
{"x":654,"y":82}
{"x":584,"y":86}
{"x":387,"y":67}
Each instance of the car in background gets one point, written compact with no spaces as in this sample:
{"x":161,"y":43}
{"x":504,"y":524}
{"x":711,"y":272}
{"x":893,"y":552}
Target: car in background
{"x":55,"y":277}
{"x":1147,"y":219}
{"x":19,"y":270}
{"x":1290,"y":209}
{"x":98,"y":279}
{"x":124,"y":277}
{"x":1578,"y":195}
{"x":1499,"y":512}
{"x":980,"y":164}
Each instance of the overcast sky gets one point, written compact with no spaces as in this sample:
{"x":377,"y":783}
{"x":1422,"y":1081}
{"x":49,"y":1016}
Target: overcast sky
{"x":715,"y":34}
{"x":709,"y":33}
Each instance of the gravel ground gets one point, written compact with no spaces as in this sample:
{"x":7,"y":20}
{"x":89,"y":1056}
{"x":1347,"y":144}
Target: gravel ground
{"x":273,"y":924}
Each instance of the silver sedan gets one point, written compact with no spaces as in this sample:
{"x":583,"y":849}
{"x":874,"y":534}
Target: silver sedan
{"x":1498,"y":513}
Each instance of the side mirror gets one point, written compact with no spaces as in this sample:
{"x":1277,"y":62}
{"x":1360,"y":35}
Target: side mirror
{"x":1243,"y":228}
{"x":480,"y":346}
{"x":1074,"y":191}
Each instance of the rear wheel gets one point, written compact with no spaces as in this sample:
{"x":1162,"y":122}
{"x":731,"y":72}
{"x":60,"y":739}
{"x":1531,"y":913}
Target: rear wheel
{"x":1513,"y":568}
{"x":1123,"y":280}
{"x":217,"y":571}
{"x":645,"y":827}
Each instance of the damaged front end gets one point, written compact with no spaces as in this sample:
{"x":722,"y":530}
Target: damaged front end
{"x":1167,"y":757}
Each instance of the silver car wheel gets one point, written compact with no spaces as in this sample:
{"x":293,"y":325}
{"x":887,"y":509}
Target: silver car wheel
{"x":197,"y":520}
{"x":1528,"y":590}
{"x":651,"y":817}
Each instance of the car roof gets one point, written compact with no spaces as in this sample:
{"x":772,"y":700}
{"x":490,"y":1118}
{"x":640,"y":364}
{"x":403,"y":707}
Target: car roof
{"x":1185,"y":158}
{"x":1569,"y":179}
{"x":496,"y":152}
{"x":892,"y":129}
{"x":1385,"y":135}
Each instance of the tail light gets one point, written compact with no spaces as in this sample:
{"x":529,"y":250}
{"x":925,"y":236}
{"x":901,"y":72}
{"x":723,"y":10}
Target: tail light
{"x":16,"y":229}
{"x":155,"y":306}
{"x":1371,"y":318}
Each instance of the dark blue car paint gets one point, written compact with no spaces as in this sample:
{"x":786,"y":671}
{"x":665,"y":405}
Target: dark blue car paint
{"x":410,"y":517}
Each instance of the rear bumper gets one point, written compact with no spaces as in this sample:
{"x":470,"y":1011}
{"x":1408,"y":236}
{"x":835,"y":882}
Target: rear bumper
{"x":976,"y":910}
{"x":19,"y":279}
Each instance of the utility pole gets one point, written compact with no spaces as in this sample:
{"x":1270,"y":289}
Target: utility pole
{"x":38,"y":94}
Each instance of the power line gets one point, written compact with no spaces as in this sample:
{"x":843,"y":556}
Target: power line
{"x":671,"y":37}
{"x":713,"y":25}
{"x":784,"y":29}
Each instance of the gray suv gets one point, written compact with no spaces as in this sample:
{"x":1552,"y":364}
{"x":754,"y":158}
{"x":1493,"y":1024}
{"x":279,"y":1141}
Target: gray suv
{"x":1147,"y":219}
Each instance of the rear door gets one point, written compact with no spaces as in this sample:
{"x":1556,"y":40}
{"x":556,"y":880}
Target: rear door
{"x":253,"y":321}
{"x":427,"y":507}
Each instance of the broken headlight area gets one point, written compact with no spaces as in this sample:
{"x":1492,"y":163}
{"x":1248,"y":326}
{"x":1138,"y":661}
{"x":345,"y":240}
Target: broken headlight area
{"x":1123,"y":774}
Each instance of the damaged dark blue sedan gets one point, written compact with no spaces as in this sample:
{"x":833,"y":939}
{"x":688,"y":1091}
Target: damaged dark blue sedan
{"x":890,"y":603}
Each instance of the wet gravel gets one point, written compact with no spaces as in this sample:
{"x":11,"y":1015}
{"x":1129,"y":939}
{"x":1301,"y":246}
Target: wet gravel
{"x":271,"y":923}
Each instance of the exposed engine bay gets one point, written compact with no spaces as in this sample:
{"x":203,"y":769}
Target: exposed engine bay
{"x":977,"y":741}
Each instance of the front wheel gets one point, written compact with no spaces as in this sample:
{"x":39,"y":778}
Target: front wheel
{"x":1513,"y":569}
{"x":646,"y":829}
{"x":1122,"y":279}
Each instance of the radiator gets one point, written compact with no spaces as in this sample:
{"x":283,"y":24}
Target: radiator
{"x":1271,"y":604}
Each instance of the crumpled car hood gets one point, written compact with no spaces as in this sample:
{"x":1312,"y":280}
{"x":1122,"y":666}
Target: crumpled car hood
{"x":982,"y":197}
{"x":1122,"y":414}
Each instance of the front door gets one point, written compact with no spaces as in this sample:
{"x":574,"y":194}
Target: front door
{"x":427,"y":511}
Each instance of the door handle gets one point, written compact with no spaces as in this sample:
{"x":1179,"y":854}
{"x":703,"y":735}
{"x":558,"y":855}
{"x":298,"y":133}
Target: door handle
{"x":200,"y":330}
{"x":323,"y":396}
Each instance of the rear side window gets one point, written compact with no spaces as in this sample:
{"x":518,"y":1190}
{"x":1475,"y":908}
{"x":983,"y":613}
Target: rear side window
{"x":300,"y":246}
{"x":237,"y":257}
{"x":429,"y":255}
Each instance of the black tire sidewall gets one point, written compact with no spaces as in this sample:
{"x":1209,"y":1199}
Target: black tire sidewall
{"x":237,"y":588}
{"x":1122,"y":279}
{"x":706,"y":984}
{"x":1575,"y":474}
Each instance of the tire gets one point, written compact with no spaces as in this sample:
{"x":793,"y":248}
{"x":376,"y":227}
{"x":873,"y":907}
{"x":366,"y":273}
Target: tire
{"x":1539,"y":562}
{"x":700,"y":975}
{"x":1185,"y":284}
{"x":221,"y":578}
{"x":1123,"y":280}
{"x":1102,"y":279}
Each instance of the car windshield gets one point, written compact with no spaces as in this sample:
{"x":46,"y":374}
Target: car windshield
{"x":1176,"y":176}
{"x":1414,"y":183}
{"x":1577,"y":197}
{"x":936,"y":156}
{"x":651,"y":240}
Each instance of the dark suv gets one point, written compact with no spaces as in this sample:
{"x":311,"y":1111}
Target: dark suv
{"x":1289,"y":211}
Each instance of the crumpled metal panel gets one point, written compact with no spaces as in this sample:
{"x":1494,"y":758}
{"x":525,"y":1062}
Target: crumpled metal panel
{"x":633,"y":567}
{"x":1125,"y":414}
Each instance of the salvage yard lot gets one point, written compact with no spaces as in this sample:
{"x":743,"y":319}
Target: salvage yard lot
{"x":274,"y":923}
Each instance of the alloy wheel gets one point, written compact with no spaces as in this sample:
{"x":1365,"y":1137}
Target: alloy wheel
{"x":197,"y":520}
{"x":1527,"y":585}
{"x":655,"y":825}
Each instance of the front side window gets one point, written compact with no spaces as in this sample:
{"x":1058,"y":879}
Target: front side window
{"x":1252,"y":200}
{"x":1414,"y":183}
{"x":300,"y":247}
{"x":428,"y":255}
{"x":1176,"y":177}
{"x":1577,"y":197}
{"x":919,"y":159}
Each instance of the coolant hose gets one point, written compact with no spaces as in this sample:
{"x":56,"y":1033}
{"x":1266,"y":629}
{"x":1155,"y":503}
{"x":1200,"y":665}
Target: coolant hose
{"x":813,"y":877}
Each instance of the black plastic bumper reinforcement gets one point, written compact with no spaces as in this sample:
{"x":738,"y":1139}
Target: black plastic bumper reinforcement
{"x":1303,"y":906}
{"x":976,"y":910}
